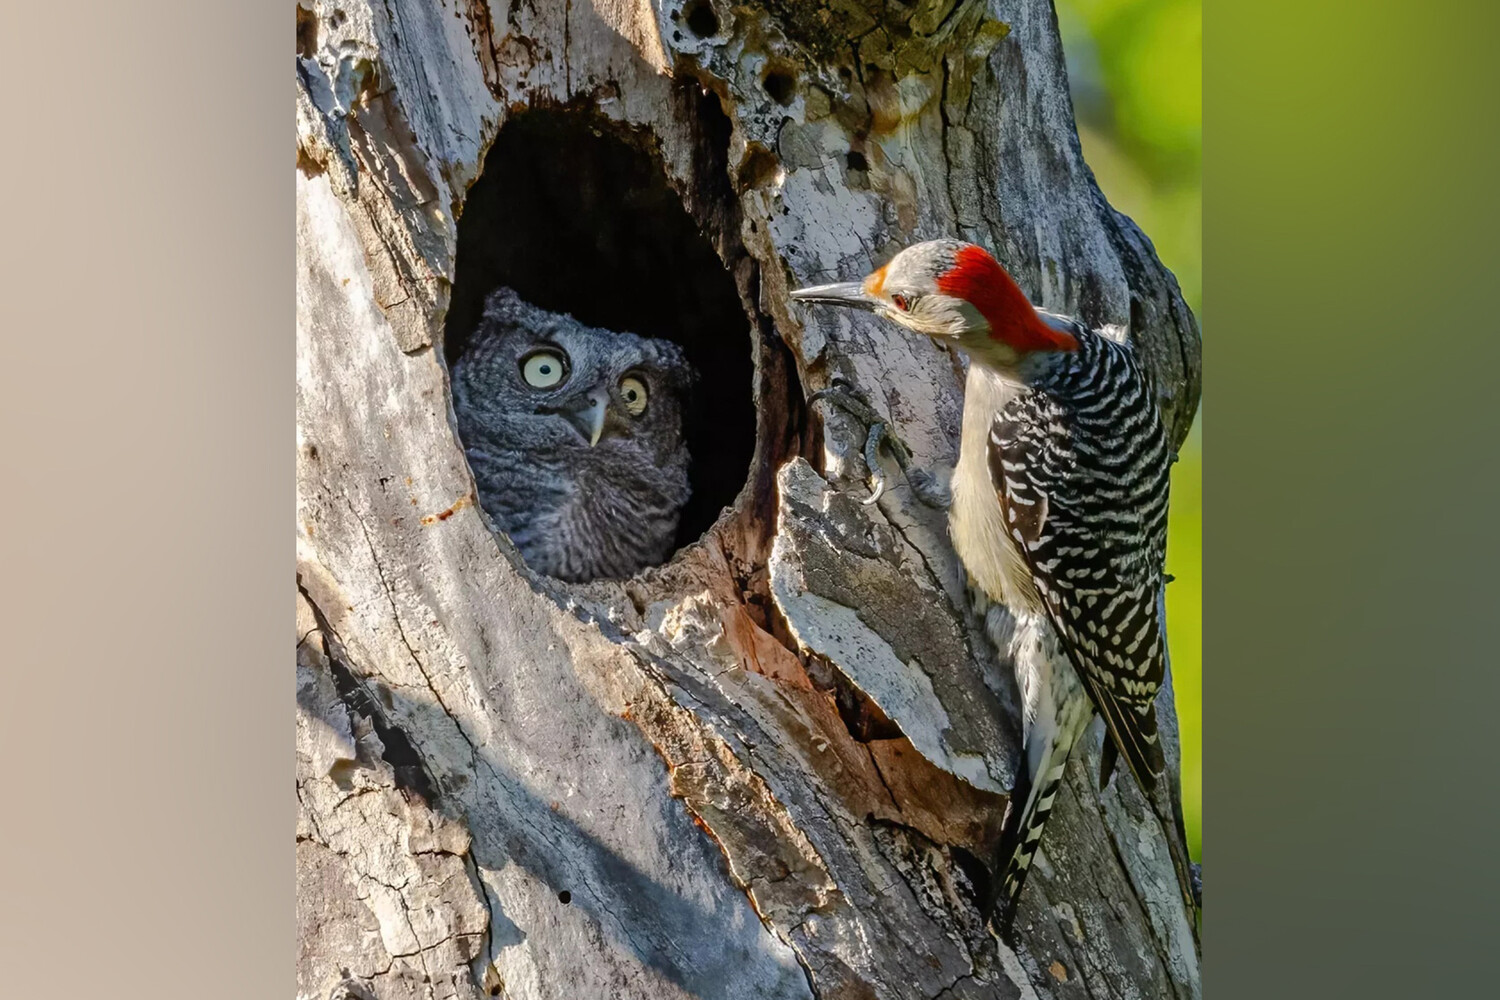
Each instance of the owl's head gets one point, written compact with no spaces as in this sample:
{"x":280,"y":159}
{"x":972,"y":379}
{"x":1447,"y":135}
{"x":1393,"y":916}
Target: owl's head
{"x":543,"y":383}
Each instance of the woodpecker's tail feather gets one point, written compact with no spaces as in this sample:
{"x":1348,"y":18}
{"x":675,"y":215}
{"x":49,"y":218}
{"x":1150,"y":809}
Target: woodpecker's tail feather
{"x":1024,"y":832}
{"x":1056,"y":710}
{"x":1132,"y":728}
{"x":1107,"y":761}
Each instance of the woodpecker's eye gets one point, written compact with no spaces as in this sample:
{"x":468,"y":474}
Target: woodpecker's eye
{"x":633,"y":390}
{"x":899,"y":301}
{"x":544,"y":369}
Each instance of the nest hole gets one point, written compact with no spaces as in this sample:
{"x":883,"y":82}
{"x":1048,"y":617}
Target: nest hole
{"x":575,"y":213}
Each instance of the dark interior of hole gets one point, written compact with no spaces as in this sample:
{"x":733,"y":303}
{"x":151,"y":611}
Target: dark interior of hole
{"x":781,"y":86}
{"x":307,"y":33}
{"x":579,"y":220}
{"x":407,"y":767}
{"x":701,"y":19}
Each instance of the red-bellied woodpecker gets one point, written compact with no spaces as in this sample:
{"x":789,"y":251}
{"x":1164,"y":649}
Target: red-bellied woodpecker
{"x":1059,"y":511}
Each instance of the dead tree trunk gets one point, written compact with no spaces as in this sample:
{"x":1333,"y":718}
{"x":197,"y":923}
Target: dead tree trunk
{"x":775,"y":767}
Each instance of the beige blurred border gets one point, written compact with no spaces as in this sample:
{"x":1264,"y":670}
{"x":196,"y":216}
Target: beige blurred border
{"x":146,"y":397}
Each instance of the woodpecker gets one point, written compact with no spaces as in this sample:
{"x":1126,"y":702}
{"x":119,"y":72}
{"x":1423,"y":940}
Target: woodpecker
{"x":1058,"y":512}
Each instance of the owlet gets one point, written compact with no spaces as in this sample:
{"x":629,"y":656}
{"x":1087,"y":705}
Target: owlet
{"x":574,"y":435}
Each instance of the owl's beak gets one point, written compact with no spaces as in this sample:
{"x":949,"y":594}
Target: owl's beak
{"x":589,"y":414}
{"x":595,"y":417}
{"x":843,"y":293}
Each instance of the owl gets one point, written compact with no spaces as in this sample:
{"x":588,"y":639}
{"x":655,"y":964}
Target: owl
{"x":574,"y":435}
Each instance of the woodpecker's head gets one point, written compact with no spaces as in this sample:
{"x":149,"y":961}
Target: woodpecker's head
{"x":955,"y":293}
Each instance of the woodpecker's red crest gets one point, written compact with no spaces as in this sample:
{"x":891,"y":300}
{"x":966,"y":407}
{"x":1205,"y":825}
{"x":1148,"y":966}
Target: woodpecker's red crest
{"x":953,"y":291}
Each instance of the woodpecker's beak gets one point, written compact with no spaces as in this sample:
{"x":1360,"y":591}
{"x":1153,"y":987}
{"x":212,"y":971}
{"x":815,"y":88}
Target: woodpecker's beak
{"x":844,"y":293}
{"x":589,"y":414}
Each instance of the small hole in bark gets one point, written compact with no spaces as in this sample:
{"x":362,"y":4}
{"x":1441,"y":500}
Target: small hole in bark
{"x":307,"y":32}
{"x":856,"y":161}
{"x":781,"y":86}
{"x":407,"y":767}
{"x":759,"y":167}
{"x":342,"y":773}
{"x":565,"y":897}
{"x":576,"y":215}
{"x":701,"y":19}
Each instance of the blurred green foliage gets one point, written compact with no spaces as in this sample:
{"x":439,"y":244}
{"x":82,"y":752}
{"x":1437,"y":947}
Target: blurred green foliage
{"x":1136,"y":72}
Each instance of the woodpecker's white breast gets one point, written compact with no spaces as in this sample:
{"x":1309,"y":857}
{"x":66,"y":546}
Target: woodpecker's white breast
{"x":976,"y":522}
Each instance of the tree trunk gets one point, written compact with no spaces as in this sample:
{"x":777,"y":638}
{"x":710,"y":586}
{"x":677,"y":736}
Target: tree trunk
{"x":777,"y":766}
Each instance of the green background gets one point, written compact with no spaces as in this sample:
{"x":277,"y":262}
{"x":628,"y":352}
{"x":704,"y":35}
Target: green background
{"x":1136,"y":72}
{"x":1353,"y":173}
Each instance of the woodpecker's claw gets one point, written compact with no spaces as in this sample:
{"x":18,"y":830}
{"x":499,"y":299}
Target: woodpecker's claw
{"x":872,"y":461}
{"x":924,"y":485}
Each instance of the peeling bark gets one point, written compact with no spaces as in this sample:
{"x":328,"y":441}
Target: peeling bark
{"x":776,"y":766}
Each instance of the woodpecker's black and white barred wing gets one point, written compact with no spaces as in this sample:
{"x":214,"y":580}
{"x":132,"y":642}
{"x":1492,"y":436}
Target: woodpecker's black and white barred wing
{"x":1080,"y":463}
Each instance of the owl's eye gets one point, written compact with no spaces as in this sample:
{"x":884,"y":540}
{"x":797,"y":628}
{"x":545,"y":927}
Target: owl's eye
{"x":544,"y":369}
{"x":633,"y":390}
{"x":900,"y":302}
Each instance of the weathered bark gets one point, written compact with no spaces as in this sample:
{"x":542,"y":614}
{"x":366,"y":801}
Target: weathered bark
{"x":775,"y":767}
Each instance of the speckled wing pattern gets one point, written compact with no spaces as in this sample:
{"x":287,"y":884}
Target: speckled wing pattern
{"x":1081,"y":466}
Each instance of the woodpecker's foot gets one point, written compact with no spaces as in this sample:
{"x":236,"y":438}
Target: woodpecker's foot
{"x":929,"y":489}
{"x":924,"y":485}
